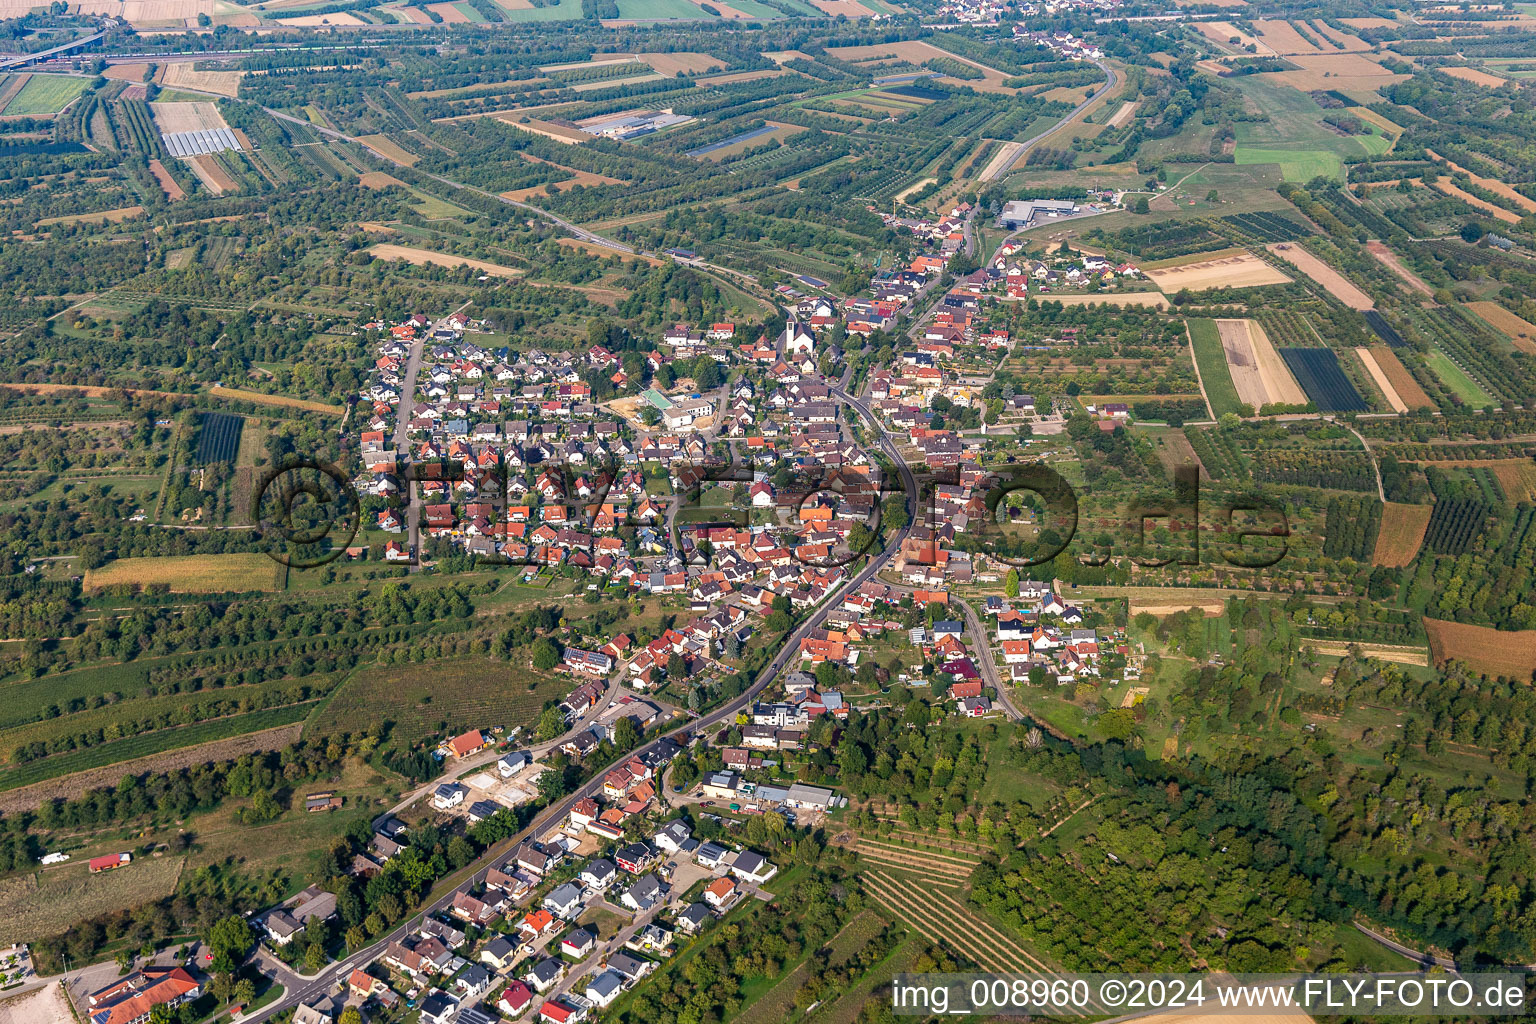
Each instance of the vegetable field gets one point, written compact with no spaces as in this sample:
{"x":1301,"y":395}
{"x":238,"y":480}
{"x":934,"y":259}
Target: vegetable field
{"x":1317,"y":371}
{"x":219,"y":438}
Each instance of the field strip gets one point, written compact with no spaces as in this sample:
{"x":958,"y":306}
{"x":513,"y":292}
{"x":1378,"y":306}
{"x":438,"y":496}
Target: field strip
{"x":1242,"y":270}
{"x":1483,"y":648}
{"x":887,"y":891}
{"x":949,"y":861}
{"x":1401,"y":534}
{"x":66,"y":787}
{"x":1389,"y":259}
{"x":1525,"y":202}
{"x":1452,"y":189}
{"x":1381,"y":652}
{"x":1334,"y":282}
{"x":425,"y":257}
{"x":1393,"y":399}
{"x":1521,"y":333}
{"x":1122,"y":115}
{"x":285,"y":401}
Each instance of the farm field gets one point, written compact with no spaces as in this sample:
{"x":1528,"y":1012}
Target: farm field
{"x":174,"y":740}
{"x":1222,"y":32}
{"x":214,"y":178}
{"x":183,"y":75}
{"x":1516,"y":477}
{"x":1521,"y":333}
{"x":1493,"y":185}
{"x":389,"y":149}
{"x":45,"y":94}
{"x":218,"y":438}
{"x":1155,"y":299}
{"x":168,"y":184}
{"x":1294,"y":137}
{"x":1205,"y":337}
{"x":99,"y":217}
{"x":1318,"y":372}
{"x":1407,"y":389}
{"x":1258,"y":372}
{"x":465,"y":693}
{"x":1401,"y":534}
{"x":1368,"y":360}
{"x":422,"y":257}
{"x":1476,"y":77}
{"x":189,"y":574}
{"x":1450,"y":188}
{"x":916,"y":51}
{"x":75,"y":783}
{"x":1332,"y":281}
{"x":1483,"y":649}
{"x":1240,"y":271}
{"x":670,"y":64}
{"x":187,"y":117}
{"x":1353,"y":74}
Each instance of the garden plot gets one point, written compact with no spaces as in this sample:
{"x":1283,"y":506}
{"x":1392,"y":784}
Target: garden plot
{"x":1257,"y":370}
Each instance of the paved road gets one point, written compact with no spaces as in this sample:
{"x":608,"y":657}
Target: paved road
{"x":988,"y":666}
{"x":403,"y":444}
{"x":1425,"y":959}
{"x":1110,"y":80}
{"x":43,"y":55}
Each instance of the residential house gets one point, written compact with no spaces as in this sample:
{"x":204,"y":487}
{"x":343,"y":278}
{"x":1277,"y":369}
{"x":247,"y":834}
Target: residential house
{"x":720,"y":892}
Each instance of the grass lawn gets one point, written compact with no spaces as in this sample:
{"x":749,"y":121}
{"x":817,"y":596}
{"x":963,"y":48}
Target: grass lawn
{"x":1213,"y":368}
{"x":1457,"y":380}
{"x":45,"y":94}
{"x":1294,"y":136}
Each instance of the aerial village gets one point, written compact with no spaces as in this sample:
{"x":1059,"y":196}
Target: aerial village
{"x":470,"y":449}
